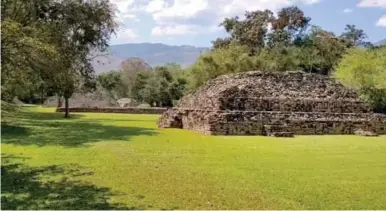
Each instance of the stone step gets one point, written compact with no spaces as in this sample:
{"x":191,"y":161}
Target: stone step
{"x":282,"y":134}
{"x":276,"y":128}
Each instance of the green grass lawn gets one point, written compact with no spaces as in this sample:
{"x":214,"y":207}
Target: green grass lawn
{"x":121,"y":161}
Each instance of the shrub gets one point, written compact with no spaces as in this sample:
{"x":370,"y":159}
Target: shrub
{"x":365,"y":71}
{"x":231,"y":59}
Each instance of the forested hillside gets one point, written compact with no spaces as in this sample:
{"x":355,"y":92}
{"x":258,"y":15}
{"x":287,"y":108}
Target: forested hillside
{"x":154,"y":54}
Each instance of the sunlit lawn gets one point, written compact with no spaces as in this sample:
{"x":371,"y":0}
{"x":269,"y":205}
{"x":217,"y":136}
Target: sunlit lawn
{"x":121,"y":161}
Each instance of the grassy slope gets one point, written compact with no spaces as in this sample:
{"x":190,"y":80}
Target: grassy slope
{"x":116,"y":161}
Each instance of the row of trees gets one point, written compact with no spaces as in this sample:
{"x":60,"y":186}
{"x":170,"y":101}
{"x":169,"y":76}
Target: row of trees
{"x":46,"y":45}
{"x":161,"y":86}
{"x":283,"y":43}
{"x":363,"y":69}
{"x":289,"y":42}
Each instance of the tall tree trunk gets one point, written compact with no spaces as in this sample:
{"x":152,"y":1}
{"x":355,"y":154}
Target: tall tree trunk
{"x":67,"y":112}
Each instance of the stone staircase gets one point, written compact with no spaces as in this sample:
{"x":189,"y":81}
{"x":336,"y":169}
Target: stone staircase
{"x":278,"y":130}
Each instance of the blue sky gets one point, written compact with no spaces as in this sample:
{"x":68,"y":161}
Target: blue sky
{"x":195,"y":22}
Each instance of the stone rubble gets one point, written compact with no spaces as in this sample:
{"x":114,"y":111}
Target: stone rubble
{"x":273,"y":104}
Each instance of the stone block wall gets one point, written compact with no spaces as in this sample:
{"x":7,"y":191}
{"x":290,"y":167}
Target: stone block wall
{"x":294,"y":104}
{"x":255,"y":122}
{"x":132,"y":110}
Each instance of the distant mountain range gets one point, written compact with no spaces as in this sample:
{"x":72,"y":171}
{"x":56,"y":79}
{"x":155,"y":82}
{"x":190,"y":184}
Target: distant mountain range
{"x":153,"y":53}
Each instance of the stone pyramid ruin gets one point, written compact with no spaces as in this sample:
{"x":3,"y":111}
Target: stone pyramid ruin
{"x":273,"y":104}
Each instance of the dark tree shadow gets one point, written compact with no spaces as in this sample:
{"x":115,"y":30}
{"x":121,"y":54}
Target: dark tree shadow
{"x":28,"y":114}
{"x":14,"y":130}
{"x":48,"y":116}
{"x":23,"y":188}
{"x":31,"y":128}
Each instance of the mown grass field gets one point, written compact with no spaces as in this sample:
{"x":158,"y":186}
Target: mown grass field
{"x":120,"y":161}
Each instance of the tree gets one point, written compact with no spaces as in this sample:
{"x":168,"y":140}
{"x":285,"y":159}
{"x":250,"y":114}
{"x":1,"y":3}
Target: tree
{"x":231,"y":59}
{"x":319,"y":50}
{"x":82,"y":26}
{"x":221,"y":43}
{"x":51,"y":40}
{"x":290,"y":24}
{"x":281,"y":43}
{"x":164,"y":78}
{"x":291,"y":19}
{"x":111,"y":82}
{"x":253,"y":31}
{"x":365,"y":71}
{"x":279,"y":58}
{"x":161,"y":87}
{"x":26,"y":56}
{"x":129,"y":69}
{"x":250,"y":32}
{"x":354,"y":36}
{"x":141,"y":82}
{"x":177,"y":89}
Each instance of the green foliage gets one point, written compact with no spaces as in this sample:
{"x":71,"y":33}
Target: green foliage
{"x":354,"y":36}
{"x":111,"y":82}
{"x":76,"y":39}
{"x":177,"y":89}
{"x":221,"y":42}
{"x":284,"y":42}
{"x":161,"y":87}
{"x":46,"y":44}
{"x":365,"y":71}
{"x":26,"y":58}
{"x":231,"y":59}
{"x":279,"y":58}
{"x":253,"y":30}
{"x":129,"y":70}
{"x":123,"y":161}
{"x":319,"y":50}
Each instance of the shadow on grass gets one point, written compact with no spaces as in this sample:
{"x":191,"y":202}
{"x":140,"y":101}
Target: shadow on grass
{"x":47,"y":116}
{"x":13,"y":129}
{"x":50,"y":187}
{"x":33,"y":128}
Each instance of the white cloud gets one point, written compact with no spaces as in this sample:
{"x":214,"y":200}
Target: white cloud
{"x":173,"y":30}
{"x":347,"y":10}
{"x":123,"y":18}
{"x":372,"y":3}
{"x":183,"y":29}
{"x":180,"y":17}
{"x":123,"y":5}
{"x":310,"y":1}
{"x":124,"y":10}
{"x":382,"y":21}
{"x":181,"y":9}
{"x":155,"y":6}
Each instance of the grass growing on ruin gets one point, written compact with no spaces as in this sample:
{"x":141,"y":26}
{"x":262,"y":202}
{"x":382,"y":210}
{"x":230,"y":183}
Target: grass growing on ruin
{"x":120,"y":161}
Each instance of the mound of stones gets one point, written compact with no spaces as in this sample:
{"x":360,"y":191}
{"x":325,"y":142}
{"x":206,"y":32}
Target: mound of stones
{"x":274,"y":104}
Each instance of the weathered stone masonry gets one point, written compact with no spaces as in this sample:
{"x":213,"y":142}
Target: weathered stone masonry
{"x":270,"y":103}
{"x":127,"y":110}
